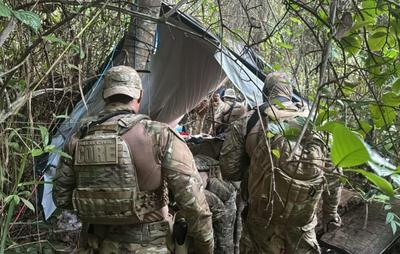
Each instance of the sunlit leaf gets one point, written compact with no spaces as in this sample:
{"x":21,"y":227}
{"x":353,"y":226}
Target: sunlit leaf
{"x":28,"y":204}
{"x":391,"y":99}
{"x":37,"y":152}
{"x":276,"y":153}
{"x":347,"y":149}
{"x":377,"y":40}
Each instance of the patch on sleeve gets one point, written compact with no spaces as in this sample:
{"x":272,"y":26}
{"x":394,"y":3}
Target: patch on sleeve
{"x":97,"y":151}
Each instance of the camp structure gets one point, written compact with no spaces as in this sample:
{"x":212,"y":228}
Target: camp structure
{"x":189,"y":62}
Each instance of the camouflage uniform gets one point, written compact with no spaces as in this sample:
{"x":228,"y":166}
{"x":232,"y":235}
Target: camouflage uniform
{"x":221,"y":197}
{"x":283,"y":195}
{"x":196,"y":117}
{"x":215,"y":110}
{"x":231,"y":111}
{"x":121,"y":174}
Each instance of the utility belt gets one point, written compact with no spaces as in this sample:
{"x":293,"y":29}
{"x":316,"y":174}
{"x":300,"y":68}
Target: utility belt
{"x":135,"y":233}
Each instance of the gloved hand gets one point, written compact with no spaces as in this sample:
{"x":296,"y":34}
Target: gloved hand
{"x":331,"y":221}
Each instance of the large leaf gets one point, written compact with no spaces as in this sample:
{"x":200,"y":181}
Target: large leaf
{"x":377,"y":40}
{"x":4,"y":10}
{"x":351,"y":43}
{"x":29,"y":18}
{"x":347,"y":149}
{"x":382,"y":114}
{"x":396,"y":86}
{"x":381,"y":183}
{"x":391,"y":99}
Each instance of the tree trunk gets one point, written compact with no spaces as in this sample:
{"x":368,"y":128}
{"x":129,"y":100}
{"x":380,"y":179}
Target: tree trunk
{"x":138,"y":44}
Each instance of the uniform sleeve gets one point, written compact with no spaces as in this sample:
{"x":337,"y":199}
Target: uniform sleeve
{"x":185,"y":185}
{"x":233,"y":157}
{"x":64,"y":181}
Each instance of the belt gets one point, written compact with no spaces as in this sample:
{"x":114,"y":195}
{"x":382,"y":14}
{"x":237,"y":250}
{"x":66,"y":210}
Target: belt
{"x":138,"y":233}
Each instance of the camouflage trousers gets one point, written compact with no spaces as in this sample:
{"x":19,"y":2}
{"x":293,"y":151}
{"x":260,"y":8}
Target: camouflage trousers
{"x":277,"y":239}
{"x":122,"y":240}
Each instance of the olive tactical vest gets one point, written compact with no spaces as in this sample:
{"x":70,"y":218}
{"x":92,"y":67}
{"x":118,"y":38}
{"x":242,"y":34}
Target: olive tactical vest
{"x":289,"y":191}
{"x":107,"y":189}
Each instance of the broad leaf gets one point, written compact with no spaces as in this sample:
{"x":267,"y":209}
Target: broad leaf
{"x":4,"y":10}
{"x":381,"y":183}
{"x":29,"y":18}
{"x":382,"y":114}
{"x":377,"y":40}
{"x":351,"y":43}
{"x":347,"y":149}
{"x":391,"y":99}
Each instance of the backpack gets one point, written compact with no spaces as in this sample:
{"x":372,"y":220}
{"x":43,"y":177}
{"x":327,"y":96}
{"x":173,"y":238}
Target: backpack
{"x":107,"y":190}
{"x":289,"y":192}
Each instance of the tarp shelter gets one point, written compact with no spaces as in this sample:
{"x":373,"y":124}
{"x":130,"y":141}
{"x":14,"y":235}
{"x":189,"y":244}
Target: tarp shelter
{"x":188,"y":63}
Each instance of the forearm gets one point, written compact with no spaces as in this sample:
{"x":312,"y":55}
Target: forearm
{"x":64,"y":184}
{"x":189,"y":195}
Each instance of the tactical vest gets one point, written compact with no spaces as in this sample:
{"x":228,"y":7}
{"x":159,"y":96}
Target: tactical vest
{"x":107,"y":189}
{"x":289,"y":192}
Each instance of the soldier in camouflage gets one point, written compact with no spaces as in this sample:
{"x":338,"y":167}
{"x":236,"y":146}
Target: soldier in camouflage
{"x":122,"y":171}
{"x":282,"y":192}
{"x":232,"y":110}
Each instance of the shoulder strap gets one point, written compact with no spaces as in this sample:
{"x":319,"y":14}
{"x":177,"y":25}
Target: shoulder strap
{"x":254,"y":118}
{"x":229,"y":111}
{"x":85,"y":128}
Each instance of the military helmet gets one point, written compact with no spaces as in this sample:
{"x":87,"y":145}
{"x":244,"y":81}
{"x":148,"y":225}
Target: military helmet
{"x":122,"y":80}
{"x":230,"y":93}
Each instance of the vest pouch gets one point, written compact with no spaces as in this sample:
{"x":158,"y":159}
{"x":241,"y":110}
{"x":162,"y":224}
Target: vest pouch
{"x":298,"y":199}
{"x":106,"y":206}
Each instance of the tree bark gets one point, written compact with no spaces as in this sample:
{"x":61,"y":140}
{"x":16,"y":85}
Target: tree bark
{"x":138,"y":44}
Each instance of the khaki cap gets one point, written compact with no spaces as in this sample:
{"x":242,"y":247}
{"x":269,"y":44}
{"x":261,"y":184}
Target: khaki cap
{"x":122,"y":80}
{"x":230,"y":93}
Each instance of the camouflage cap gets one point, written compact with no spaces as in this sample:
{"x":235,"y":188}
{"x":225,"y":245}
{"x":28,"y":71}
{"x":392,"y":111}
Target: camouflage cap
{"x":278,"y":84}
{"x":122,"y":80}
{"x":229,"y":93}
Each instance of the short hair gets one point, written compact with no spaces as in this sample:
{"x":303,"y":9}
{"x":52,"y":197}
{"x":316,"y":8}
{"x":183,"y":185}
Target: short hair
{"x":121,"y":98}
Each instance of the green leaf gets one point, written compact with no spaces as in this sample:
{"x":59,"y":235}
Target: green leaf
{"x":394,"y":227}
{"x":45,"y":135}
{"x":276,"y":153}
{"x":377,"y":40}
{"x":382,"y":114}
{"x":54,"y":39}
{"x":4,"y":10}
{"x":347,"y":149}
{"x":285,"y":45}
{"x":29,"y":18}
{"x":381,"y":183}
{"x":396,"y":86}
{"x":391,"y":99}
{"x":28,"y":204}
{"x":37,"y":152}
{"x":365,"y":126}
{"x":351,"y":43}
{"x":389,"y":217}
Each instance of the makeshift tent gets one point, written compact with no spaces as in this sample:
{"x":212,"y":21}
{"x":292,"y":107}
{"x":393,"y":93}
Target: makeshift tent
{"x":189,"y":62}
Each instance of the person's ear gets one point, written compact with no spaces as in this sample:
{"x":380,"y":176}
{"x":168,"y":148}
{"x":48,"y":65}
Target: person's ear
{"x":140,"y":97}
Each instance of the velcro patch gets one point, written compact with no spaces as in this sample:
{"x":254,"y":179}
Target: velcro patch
{"x":102,"y":151}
